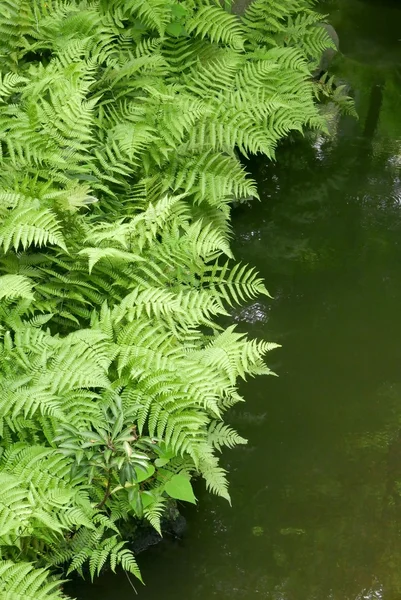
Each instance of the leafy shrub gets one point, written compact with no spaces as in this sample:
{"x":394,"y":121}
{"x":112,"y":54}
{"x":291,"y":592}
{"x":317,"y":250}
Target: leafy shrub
{"x":120,"y":123}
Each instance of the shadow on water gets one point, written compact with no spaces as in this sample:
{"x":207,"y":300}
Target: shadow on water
{"x":317,"y":492}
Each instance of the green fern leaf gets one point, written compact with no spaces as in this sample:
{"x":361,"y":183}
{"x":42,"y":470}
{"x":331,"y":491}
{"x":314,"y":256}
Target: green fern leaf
{"x":27,"y":226}
{"x":218,"y":26}
{"x":23,"y":581}
{"x":15,"y":286}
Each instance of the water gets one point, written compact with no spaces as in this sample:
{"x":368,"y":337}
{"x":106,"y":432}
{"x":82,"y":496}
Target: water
{"x":316,"y":494}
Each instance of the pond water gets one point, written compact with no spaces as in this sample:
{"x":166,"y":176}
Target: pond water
{"x":316,"y":494}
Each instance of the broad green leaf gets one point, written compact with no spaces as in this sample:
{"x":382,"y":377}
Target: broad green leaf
{"x":174,"y":28}
{"x":160,"y":462}
{"x":127,"y":474}
{"x":178,"y":11}
{"x":147,"y":498}
{"x":135,"y":501}
{"x":143,"y":474}
{"x":179,"y":487}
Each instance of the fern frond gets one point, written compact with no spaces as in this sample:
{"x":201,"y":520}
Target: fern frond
{"x":214,"y":475}
{"x":28,"y":226}
{"x":154,"y":512}
{"x":217,"y":25}
{"x":220,"y":435}
{"x":153,"y":13}
{"x":96,"y":254}
{"x":99,"y":551}
{"x":10,"y":83}
{"x":15,"y":286}
{"x":22,"y":580}
{"x":235,"y":286}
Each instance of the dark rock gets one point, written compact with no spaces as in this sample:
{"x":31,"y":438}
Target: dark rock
{"x":173,"y":525}
{"x":177,"y":527}
{"x":145,"y":538}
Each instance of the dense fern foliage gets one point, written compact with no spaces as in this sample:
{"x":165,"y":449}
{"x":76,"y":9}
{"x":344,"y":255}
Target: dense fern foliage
{"x":120,"y":127}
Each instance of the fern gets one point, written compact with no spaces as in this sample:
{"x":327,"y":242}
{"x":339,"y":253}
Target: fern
{"x":222,"y":435}
{"x":15,"y":286}
{"x":22,"y":580}
{"x":99,"y":551}
{"x":218,"y":26}
{"x":154,"y":512}
{"x":120,"y":127}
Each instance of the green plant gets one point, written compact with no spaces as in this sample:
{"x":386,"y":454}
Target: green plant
{"x":120,"y":123}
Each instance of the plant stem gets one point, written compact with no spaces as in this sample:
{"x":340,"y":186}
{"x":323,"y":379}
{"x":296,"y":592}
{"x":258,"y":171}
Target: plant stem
{"x":107,"y":491}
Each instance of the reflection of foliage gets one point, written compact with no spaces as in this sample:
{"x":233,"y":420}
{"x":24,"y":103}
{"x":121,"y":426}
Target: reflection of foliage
{"x":330,"y":89}
{"x":298,"y":195}
{"x":333,"y":181}
{"x":390,"y":122}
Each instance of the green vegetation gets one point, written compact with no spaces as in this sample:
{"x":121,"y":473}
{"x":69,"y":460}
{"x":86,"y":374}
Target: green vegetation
{"x":120,"y":124}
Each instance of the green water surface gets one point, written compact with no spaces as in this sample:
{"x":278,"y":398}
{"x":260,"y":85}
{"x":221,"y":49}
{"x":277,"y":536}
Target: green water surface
{"x":316,"y":494}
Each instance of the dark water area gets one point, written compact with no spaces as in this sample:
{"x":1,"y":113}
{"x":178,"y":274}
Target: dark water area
{"x":316,"y":493}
